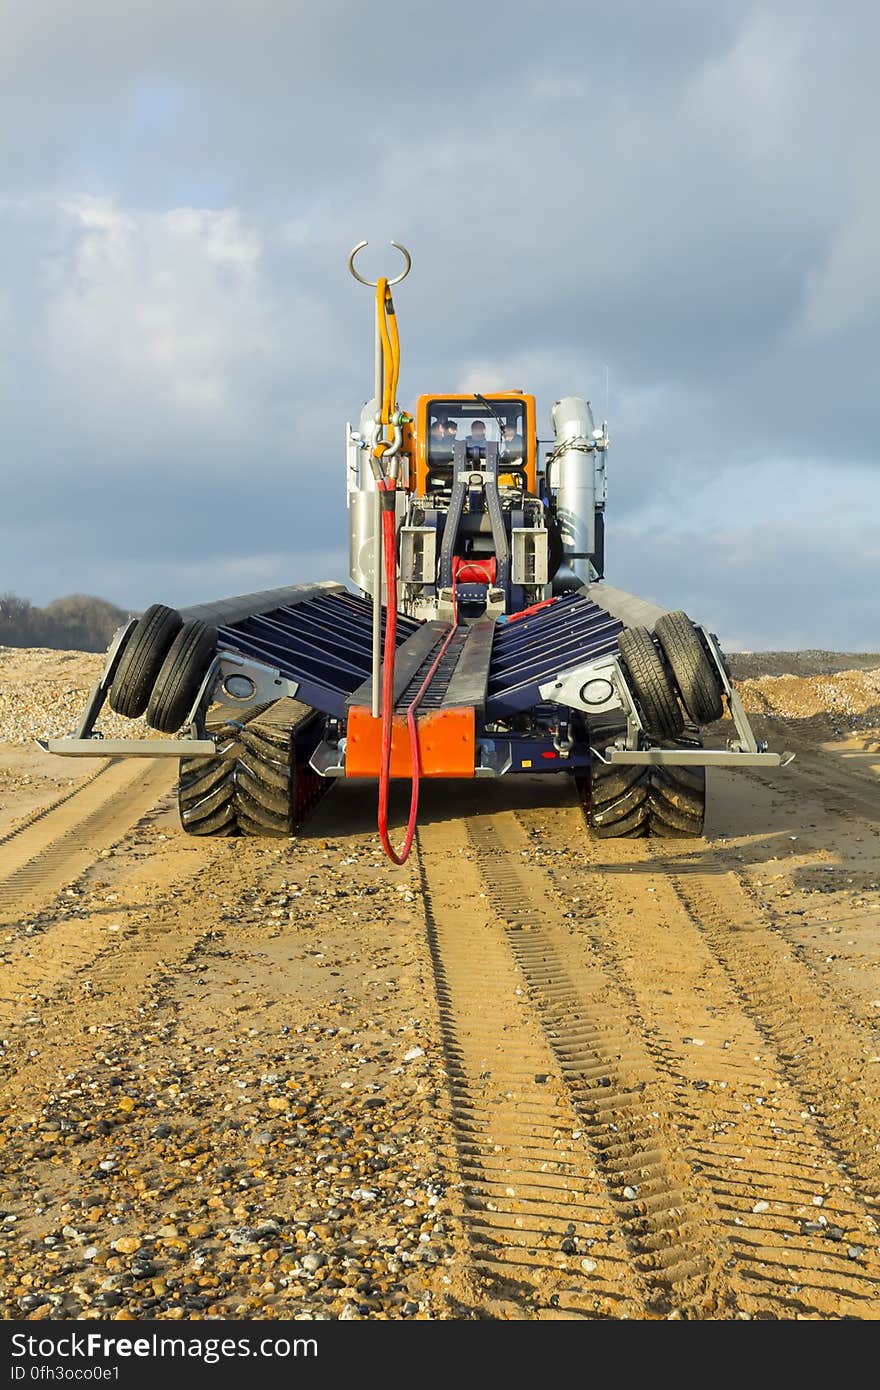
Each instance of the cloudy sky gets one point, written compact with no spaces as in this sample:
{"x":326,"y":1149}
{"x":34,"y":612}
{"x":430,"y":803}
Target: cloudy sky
{"x":681,"y":195}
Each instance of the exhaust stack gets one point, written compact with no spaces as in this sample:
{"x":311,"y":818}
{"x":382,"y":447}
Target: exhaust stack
{"x":573,"y":479}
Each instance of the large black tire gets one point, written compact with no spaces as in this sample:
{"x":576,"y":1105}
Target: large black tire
{"x":677,"y":799}
{"x":652,"y":685}
{"x":183,"y":671}
{"x":260,"y":783}
{"x":142,"y":659}
{"x":697,"y":682}
{"x":629,"y":802}
{"x":615,"y":801}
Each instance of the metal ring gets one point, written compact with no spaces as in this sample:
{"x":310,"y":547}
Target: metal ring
{"x":397,"y":279}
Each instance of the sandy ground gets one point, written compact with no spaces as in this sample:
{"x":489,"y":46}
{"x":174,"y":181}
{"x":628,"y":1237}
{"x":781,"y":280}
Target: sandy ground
{"x":531,"y":1075}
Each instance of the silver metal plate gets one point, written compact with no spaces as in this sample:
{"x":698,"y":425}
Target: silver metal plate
{"x":130,"y":747}
{"x":695,"y":757}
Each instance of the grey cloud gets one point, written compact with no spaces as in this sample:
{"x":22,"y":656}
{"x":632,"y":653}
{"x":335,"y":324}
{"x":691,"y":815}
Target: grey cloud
{"x":684,"y":193}
{"x":821,"y":595}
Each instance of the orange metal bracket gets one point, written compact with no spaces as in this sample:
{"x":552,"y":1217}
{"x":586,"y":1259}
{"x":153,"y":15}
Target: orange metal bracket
{"x":447,"y":743}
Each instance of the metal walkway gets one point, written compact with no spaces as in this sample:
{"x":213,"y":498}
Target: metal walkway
{"x":323,"y":643}
{"x":528,"y":651}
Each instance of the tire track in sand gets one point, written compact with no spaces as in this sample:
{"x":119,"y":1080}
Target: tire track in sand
{"x":788,"y":1213}
{"x":50,"y":851}
{"x":842,"y":791}
{"x":542,"y":1232}
{"x":56,"y":1003}
{"x":676,"y":1237}
{"x":825,"y":1051}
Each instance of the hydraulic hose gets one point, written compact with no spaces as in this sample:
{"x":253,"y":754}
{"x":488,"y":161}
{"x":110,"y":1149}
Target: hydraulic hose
{"x":387,"y":485}
{"x":399,"y":856}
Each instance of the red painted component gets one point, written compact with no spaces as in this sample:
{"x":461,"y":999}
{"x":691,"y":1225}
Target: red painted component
{"x":525,"y":612}
{"x":548,"y":755}
{"x":465,"y":571}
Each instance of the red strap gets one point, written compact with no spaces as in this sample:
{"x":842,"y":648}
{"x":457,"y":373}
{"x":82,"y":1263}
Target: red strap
{"x":465,"y":571}
{"x":524,"y":612}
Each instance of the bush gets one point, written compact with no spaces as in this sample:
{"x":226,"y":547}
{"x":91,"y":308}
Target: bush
{"x":76,"y":623}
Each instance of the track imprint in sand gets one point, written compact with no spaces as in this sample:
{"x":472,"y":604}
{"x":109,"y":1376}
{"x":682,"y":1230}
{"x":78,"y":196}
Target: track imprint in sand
{"x":778,"y":1152}
{"x":638,"y":1078}
{"x":53,"y":848}
{"x":541,"y":1228}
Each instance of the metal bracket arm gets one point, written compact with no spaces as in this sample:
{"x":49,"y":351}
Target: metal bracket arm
{"x":745,"y":741}
{"x":234,"y":682}
{"x":94,"y":746}
{"x":595,"y":687}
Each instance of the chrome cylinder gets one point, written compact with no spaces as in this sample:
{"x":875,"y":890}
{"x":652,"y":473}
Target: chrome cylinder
{"x":573,"y":481}
{"x":361,"y":503}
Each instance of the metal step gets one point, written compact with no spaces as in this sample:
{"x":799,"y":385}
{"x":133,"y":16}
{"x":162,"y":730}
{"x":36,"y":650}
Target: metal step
{"x":461,"y":678}
{"x":412,"y":657}
{"x":435,"y":696}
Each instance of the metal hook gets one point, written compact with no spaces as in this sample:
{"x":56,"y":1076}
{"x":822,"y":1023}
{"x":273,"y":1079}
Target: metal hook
{"x":396,"y":281}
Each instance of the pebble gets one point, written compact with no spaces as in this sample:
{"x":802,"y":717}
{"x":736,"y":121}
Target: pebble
{"x":29,"y":1301}
{"x":126,"y":1245}
{"x":243,"y":1235}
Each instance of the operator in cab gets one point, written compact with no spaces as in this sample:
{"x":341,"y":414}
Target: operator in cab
{"x":512,"y":444}
{"x":476,"y":440}
{"x":437,"y":436}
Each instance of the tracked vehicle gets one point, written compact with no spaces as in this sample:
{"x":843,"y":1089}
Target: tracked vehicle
{"x":479,"y":639}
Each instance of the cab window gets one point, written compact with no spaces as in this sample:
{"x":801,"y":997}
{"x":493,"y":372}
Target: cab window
{"x":470,"y":421}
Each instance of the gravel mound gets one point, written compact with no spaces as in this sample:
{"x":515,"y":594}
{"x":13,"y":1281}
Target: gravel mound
{"x":43,"y":693}
{"x":851,"y":697}
{"x":747,"y":665}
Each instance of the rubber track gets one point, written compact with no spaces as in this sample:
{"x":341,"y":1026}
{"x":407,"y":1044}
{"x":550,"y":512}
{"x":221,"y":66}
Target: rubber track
{"x":247,"y":789}
{"x":631,"y":802}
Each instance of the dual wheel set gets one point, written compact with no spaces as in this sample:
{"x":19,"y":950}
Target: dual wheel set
{"x":260,"y":782}
{"x":161,"y":668}
{"x":677,"y":690}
